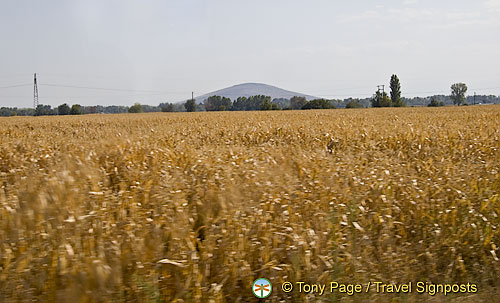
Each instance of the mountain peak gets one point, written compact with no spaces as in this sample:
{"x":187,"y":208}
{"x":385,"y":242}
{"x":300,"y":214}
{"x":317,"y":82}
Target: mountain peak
{"x":252,"y":89}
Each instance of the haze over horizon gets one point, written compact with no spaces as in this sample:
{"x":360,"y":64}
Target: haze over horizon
{"x":159,"y":51}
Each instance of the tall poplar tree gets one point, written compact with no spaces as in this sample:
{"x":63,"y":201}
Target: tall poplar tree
{"x":396,"y":92}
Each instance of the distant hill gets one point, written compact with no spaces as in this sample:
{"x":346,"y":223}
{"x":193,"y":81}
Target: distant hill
{"x":252,"y":89}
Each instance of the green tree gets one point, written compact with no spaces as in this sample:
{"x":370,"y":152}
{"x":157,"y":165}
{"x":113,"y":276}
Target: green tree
{"x":25,"y":112}
{"x":297,"y":102}
{"x":354,"y":104}
{"x":63,"y":109}
{"x":435,"y":103}
{"x":190,"y":105}
{"x":381,"y":100}
{"x":240,"y":103}
{"x":112,"y":109}
{"x":256,"y":102}
{"x":458,"y":91}
{"x":166,"y":107}
{"x":218,"y":103}
{"x":318,"y":104}
{"x":44,"y":110}
{"x":150,"y":108}
{"x":266,"y":104}
{"x":8,"y":111}
{"x":136,"y":108}
{"x":396,"y":92}
{"x":282,"y":102}
{"x":92,"y":110}
{"x":76,"y":109}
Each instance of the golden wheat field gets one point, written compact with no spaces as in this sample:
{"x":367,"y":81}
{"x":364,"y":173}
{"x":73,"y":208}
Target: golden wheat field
{"x":193,"y":207}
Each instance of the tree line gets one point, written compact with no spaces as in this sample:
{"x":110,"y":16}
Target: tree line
{"x":77,"y":109}
{"x":262,"y":102}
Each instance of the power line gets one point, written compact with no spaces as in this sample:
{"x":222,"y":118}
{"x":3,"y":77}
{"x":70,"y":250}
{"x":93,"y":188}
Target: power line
{"x":485,"y":88}
{"x":149,"y":92}
{"x":16,"y":85}
{"x":434,"y":92}
{"x":349,"y":95}
{"x":447,"y":91}
{"x":100,"y":88}
{"x":164,"y":93}
{"x":91,"y":96}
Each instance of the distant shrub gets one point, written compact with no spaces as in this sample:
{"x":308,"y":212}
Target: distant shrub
{"x":136,"y":108}
{"x":318,"y":104}
{"x":354,"y":104}
{"x":435,"y":103}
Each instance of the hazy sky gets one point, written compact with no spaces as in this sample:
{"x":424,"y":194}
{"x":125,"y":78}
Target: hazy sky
{"x":159,"y":51}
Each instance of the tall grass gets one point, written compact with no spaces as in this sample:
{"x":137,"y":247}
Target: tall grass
{"x":193,"y":207}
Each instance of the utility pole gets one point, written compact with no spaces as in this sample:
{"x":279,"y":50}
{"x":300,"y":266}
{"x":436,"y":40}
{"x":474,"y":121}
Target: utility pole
{"x":474,"y":98}
{"x":192,"y":95}
{"x":378,"y":88}
{"x":35,"y":92}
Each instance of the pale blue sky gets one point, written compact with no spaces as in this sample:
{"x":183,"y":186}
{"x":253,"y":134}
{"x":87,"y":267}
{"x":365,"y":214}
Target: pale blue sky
{"x":160,"y":51}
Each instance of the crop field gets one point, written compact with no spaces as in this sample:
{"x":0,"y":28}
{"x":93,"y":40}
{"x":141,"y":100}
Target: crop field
{"x":193,"y":207}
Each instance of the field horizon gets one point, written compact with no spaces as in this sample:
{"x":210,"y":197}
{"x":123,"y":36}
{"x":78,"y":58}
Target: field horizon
{"x":193,"y":207}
